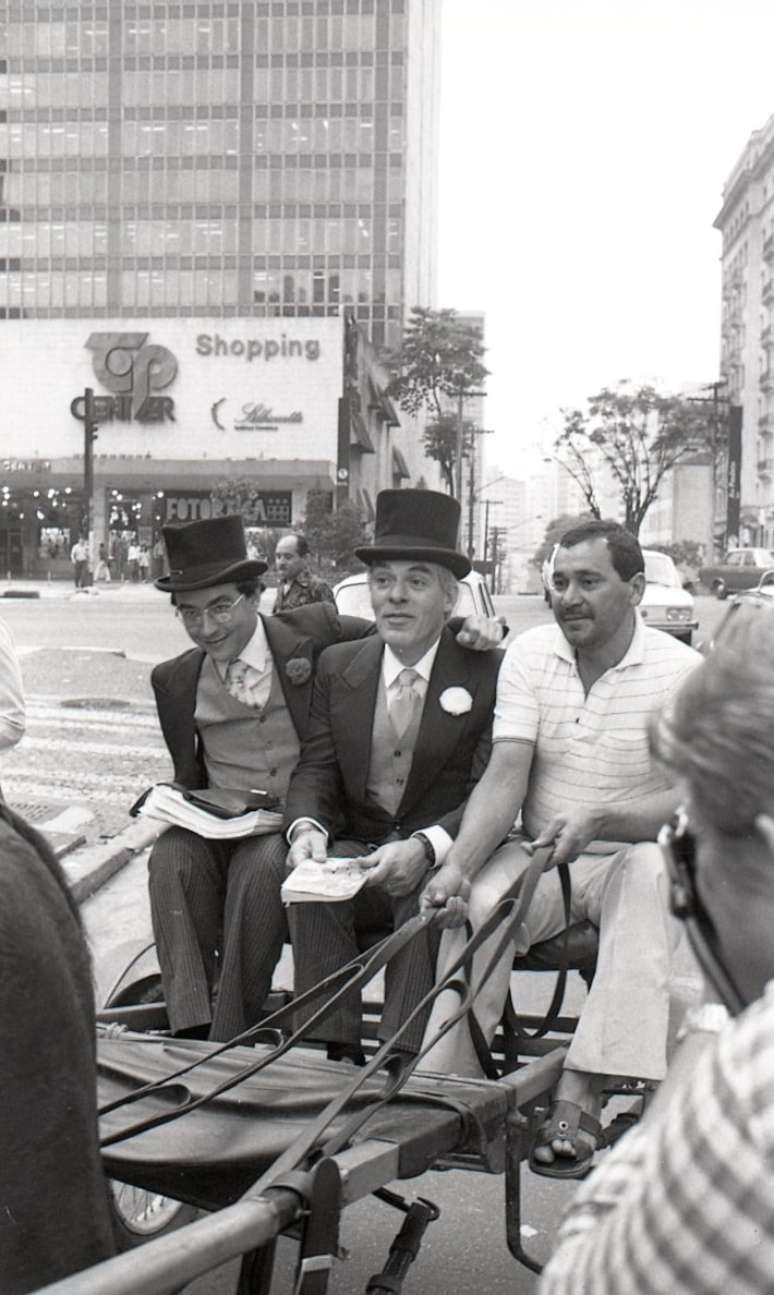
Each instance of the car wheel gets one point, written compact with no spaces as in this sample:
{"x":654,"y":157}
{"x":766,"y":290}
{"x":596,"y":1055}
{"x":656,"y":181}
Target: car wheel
{"x":139,"y":1215}
{"x":720,"y":590}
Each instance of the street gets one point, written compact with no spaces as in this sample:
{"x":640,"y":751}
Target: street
{"x":91,"y":747}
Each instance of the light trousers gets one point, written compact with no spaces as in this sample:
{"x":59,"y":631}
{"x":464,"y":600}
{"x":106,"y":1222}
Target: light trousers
{"x":623,"y":1026}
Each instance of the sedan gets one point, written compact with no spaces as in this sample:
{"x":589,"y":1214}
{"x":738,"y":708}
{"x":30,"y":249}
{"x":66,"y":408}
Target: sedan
{"x":739,"y":569}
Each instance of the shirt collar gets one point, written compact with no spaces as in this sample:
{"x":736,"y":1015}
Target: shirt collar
{"x":255,"y":653}
{"x":391,"y":666}
{"x":634,"y":654}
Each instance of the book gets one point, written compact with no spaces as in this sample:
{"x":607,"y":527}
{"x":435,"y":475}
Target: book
{"x":203,"y":812}
{"x":323,"y":883}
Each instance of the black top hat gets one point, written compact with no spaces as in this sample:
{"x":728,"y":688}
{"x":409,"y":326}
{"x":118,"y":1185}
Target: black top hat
{"x":207,"y":553}
{"x":419,"y":524}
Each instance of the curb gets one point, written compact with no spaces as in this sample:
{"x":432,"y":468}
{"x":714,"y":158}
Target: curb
{"x":90,"y":867}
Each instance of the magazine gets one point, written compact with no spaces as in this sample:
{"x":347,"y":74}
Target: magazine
{"x":203,"y":812}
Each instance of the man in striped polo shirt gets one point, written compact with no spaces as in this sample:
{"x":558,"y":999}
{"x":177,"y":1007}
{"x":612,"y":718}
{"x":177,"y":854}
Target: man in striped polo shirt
{"x":571,"y":754}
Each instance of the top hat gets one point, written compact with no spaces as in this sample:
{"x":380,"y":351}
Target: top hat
{"x":418,"y":524}
{"x":201,"y":554}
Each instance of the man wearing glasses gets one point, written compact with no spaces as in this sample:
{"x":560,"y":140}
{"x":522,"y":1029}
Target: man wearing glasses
{"x":686,"y":1200}
{"x":233,"y":711}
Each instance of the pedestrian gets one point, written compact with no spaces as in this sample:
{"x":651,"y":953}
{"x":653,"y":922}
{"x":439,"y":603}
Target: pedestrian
{"x":685,"y":1202}
{"x":102,"y":571}
{"x":158,"y":558}
{"x":144,"y":562}
{"x":297,"y":587}
{"x":133,"y":558}
{"x":79,"y":556}
{"x":13,"y":714}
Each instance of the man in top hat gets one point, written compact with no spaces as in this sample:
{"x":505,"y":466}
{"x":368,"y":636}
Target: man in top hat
{"x":399,"y":734}
{"x":233,"y":711}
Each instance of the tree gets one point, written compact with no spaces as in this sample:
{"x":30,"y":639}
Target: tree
{"x":640,"y":435}
{"x":554,"y":532}
{"x":333,"y":536}
{"x":439,"y":360}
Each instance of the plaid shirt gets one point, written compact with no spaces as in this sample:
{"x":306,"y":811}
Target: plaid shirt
{"x":685,"y":1202}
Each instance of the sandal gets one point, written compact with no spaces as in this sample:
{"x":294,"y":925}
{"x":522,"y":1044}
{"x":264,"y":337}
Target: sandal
{"x":566,"y":1120}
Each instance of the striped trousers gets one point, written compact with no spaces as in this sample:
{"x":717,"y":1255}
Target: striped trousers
{"x":216,"y":908}
{"x":327,"y":936}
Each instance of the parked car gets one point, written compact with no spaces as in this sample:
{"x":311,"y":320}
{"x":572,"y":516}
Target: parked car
{"x":739,"y":569}
{"x":353,"y":599}
{"x":665,"y":605}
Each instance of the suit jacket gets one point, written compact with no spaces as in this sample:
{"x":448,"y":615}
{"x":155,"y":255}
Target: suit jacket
{"x":450,"y":755}
{"x":305,"y":589}
{"x":300,"y":634}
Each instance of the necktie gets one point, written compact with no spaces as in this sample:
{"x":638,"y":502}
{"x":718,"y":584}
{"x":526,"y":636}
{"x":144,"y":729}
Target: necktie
{"x":405,"y":702}
{"x":236,"y":682}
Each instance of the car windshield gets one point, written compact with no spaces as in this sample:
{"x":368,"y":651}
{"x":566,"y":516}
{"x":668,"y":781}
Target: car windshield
{"x":660,"y":570}
{"x":355,"y":600}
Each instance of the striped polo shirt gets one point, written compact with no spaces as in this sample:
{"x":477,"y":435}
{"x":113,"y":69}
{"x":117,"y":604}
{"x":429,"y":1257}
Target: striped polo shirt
{"x":589,"y":750}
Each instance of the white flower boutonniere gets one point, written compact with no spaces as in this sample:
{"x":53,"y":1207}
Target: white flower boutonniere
{"x":456,"y":701}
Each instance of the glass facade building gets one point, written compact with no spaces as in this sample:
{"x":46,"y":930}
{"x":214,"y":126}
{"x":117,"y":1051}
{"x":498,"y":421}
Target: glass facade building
{"x":222,"y":159}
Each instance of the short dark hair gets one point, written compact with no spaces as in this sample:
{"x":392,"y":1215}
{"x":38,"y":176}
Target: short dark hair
{"x":624,"y":548}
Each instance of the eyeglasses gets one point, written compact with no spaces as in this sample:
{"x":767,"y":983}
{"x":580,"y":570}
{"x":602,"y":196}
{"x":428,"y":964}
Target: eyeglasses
{"x":678,"y":846}
{"x":221,"y":613}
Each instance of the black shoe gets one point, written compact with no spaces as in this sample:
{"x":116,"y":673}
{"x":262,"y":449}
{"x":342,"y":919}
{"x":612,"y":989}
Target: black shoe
{"x":346,"y":1052}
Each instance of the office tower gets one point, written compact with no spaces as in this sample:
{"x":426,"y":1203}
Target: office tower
{"x":219,"y":159}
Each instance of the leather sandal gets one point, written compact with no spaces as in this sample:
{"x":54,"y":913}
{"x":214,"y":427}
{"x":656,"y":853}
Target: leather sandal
{"x":569,"y":1121}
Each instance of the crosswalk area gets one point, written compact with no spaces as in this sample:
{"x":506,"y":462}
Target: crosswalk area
{"x":80,"y":766}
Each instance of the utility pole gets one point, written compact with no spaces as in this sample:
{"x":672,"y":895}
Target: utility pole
{"x":497,"y":532}
{"x":716,"y":441}
{"x":89,"y":437}
{"x":489,"y":503}
{"x":472,"y":493}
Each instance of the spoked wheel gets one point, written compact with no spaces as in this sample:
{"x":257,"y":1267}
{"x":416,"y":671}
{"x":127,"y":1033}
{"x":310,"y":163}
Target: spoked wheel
{"x":140,"y":1215}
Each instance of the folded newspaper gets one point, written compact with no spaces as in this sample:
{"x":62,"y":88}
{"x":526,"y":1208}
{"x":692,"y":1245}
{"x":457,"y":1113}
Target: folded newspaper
{"x":311,"y":882}
{"x":174,"y":806}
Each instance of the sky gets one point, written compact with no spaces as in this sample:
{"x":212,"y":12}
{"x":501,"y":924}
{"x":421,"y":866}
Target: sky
{"x":584,"y":150}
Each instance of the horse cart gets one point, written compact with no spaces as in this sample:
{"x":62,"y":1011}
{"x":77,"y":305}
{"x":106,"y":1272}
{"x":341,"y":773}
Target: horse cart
{"x":263,"y":1137}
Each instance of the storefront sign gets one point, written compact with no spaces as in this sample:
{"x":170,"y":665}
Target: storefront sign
{"x":265,"y":508}
{"x":134,"y":371}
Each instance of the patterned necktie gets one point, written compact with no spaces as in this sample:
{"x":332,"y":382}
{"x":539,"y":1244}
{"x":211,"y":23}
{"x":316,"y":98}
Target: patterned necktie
{"x":236,"y":682}
{"x":405,"y":702}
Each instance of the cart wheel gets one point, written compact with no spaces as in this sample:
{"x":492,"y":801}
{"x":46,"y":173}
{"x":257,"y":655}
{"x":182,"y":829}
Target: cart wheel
{"x":139,"y":1215}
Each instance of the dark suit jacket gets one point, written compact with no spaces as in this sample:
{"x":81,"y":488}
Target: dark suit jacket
{"x":301,"y":633}
{"x":450,"y":755}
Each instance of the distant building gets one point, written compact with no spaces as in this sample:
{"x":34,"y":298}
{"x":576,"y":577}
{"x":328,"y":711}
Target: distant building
{"x":746,"y":222}
{"x":254,"y":169}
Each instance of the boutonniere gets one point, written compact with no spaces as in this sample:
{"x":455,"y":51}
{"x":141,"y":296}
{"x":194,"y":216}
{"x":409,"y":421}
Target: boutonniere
{"x":298,"y":670}
{"x":456,"y":701}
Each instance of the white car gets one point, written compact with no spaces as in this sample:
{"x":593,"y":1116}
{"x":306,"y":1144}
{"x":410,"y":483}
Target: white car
{"x":665,"y":604}
{"x":353,"y":599}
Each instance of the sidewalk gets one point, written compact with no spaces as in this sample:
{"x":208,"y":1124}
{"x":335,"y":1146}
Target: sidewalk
{"x":127,"y":591}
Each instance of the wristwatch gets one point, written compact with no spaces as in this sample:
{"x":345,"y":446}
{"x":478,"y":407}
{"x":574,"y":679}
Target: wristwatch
{"x":427,"y":846}
{"x":707,"y":1018}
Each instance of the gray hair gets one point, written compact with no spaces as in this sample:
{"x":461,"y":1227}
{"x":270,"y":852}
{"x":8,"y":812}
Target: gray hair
{"x":719,"y":735}
{"x":449,"y":583}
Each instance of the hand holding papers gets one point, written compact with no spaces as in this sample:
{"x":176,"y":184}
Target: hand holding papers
{"x":312,"y":882}
{"x":215,"y":813}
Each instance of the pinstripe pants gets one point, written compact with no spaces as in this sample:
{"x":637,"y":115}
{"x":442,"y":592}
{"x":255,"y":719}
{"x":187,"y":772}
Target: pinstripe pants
{"x":327,"y":936}
{"x":212,"y":898}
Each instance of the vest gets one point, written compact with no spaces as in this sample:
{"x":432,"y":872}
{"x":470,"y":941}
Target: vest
{"x":244,"y":747}
{"x":391,"y":756}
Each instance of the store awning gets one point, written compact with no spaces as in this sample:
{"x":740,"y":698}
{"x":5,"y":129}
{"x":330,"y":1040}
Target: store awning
{"x":361,"y":437}
{"x":400,"y":467}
